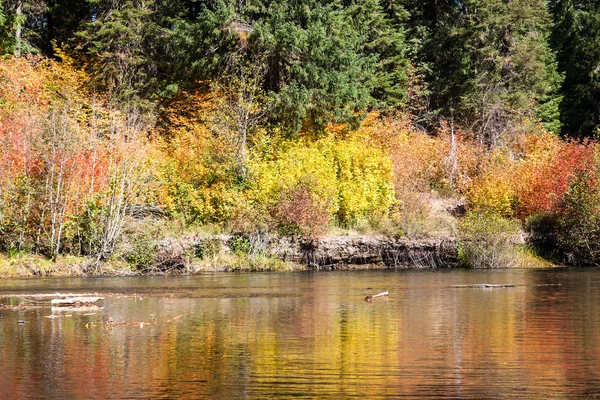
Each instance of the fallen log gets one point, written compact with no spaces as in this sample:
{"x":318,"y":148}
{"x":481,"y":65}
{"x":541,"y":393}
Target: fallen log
{"x":75,"y":301}
{"x":382,"y":294}
{"x":76,"y":309}
{"x":485,"y":285}
{"x":45,"y":295}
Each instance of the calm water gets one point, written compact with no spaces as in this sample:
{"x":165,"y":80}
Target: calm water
{"x":310,"y":335}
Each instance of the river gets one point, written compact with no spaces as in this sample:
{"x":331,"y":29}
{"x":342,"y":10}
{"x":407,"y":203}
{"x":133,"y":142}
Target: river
{"x":308,"y":335}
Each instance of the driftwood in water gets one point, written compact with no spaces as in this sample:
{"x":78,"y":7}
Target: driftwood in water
{"x":75,"y":301}
{"x":382,"y":294}
{"x":485,"y":285}
{"x":46,"y":295}
{"x":77,"y":308}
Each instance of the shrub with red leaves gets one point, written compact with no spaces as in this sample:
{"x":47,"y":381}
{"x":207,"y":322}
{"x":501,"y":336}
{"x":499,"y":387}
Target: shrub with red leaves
{"x":552,"y":180}
{"x":299,"y":213}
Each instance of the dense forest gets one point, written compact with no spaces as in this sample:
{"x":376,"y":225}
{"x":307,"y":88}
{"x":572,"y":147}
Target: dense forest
{"x":122,"y":121}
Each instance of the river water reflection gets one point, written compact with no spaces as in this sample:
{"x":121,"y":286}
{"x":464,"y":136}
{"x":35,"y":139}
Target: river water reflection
{"x":309,"y":335}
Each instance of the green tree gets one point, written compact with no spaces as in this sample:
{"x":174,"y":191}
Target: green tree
{"x":576,"y":38}
{"x":326,"y":61}
{"x":382,"y":29}
{"x":122,"y":45}
{"x":316,"y":65}
{"x":23,"y":26}
{"x":3,"y":31}
{"x":488,"y":62}
{"x":63,"y":18}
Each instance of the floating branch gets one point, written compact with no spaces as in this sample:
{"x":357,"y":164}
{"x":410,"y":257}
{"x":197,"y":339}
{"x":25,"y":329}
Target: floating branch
{"x":484,"y":285}
{"x":382,"y":294}
{"x":76,"y":301}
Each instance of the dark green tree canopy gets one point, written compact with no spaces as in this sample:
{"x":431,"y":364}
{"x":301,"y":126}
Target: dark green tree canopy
{"x":488,"y":62}
{"x":496,"y":66}
{"x":325,"y":60}
{"x":576,"y":38}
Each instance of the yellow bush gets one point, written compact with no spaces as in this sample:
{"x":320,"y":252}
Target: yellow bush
{"x":348,"y":177}
{"x":297,"y":163}
{"x":198,"y":182}
{"x":494,"y":190}
{"x":364,"y":181}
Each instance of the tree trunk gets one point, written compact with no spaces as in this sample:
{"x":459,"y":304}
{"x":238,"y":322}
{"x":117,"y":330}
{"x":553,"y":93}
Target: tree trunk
{"x":18,"y":30}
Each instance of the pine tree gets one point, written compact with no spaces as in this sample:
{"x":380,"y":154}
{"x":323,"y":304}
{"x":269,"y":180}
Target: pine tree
{"x":381,"y":25}
{"x":317,"y":67}
{"x":576,"y":38}
{"x":122,"y":45}
{"x":489,"y":63}
{"x":23,"y":28}
{"x":4,"y":43}
{"x":326,"y":61}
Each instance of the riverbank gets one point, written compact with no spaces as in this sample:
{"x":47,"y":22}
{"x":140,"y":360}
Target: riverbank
{"x":218,"y":253}
{"x":154,"y":246}
{"x":194,"y":254}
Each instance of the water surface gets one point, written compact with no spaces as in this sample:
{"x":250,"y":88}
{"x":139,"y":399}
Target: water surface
{"x":309,"y":335}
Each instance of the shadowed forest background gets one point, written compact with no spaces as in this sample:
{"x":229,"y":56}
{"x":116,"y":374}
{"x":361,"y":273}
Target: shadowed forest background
{"x":123,"y":122}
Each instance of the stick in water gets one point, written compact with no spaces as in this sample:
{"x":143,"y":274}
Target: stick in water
{"x":370,"y":298}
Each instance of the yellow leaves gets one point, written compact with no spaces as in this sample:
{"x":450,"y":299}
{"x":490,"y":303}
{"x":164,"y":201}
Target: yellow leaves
{"x":348,"y":176}
{"x":494,"y":189}
{"x":493,"y":193}
{"x":364,"y":181}
{"x":308,"y":164}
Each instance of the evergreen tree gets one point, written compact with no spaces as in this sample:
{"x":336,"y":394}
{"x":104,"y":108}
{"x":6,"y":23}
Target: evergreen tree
{"x":488,"y":62}
{"x":326,"y":61}
{"x":4,"y":45}
{"x":384,"y":38}
{"x":23,"y":26}
{"x":123,"y":47}
{"x":577,"y":41}
{"x":63,"y":19}
{"x":316,"y":65}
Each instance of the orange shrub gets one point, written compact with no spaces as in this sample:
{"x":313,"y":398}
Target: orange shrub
{"x":59,"y":150}
{"x":549,"y":179}
{"x":422,"y":161}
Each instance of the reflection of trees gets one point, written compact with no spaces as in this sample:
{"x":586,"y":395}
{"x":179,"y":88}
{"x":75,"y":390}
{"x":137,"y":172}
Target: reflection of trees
{"x":276,"y":336}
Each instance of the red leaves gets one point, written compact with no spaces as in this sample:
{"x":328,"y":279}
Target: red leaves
{"x":552,"y":179}
{"x":300,"y":213}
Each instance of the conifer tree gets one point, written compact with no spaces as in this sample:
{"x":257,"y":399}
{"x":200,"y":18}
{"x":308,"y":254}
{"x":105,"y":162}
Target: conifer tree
{"x":489,"y":63}
{"x":382,"y":27}
{"x":122,"y":44}
{"x":23,"y":26}
{"x":577,"y":41}
{"x":3,"y":31}
{"x":326,"y":61}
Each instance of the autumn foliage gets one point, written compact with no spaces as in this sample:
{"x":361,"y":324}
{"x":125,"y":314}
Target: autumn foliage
{"x":61,"y":151}
{"x":74,"y":167}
